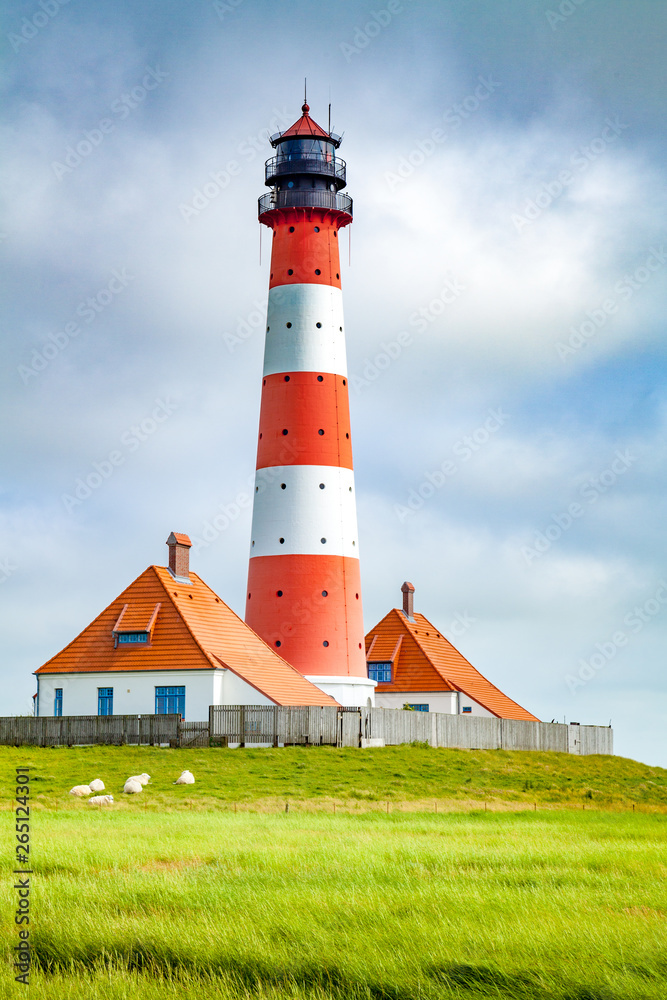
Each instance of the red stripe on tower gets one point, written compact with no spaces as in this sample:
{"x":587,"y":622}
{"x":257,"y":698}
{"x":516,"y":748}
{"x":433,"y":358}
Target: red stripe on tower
{"x":304,"y":592}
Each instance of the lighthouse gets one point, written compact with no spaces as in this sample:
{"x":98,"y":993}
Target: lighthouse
{"x":304,"y":586}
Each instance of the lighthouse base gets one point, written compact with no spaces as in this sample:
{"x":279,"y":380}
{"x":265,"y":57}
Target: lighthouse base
{"x":352,"y":692}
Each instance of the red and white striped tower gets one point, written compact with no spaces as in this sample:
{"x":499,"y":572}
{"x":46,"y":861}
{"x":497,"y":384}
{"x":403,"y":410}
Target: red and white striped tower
{"x":304,"y":592}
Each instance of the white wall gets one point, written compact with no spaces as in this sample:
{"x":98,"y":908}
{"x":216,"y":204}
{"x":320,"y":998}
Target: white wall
{"x":232,"y":690}
{"x":449,"y":702}
{"x":134,"y":691}
{"x":437,"y":701}
{"x":350,"y":691}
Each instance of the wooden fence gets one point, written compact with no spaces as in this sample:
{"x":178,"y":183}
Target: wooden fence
{"x":82,"y":730}
{"x":274,"y":725}
{"x":250,"y":725}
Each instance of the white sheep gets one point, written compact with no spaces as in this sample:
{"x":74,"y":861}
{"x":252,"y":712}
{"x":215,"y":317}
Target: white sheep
{"x":143,"y":779}
{"x":186,"y":778}
{"x":81,"y":790}
{"x":101,"y":800}
{"x":132,"y":786}
{"x":97,"y":785}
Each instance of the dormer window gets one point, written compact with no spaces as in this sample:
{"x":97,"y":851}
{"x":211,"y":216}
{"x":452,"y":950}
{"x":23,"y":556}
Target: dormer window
{"x":134,"y":626}
{"x":380,"y":672}
{"x":132,"y":637}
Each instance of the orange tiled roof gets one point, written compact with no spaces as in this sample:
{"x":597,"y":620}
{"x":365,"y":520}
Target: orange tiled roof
{"x":193,"y":630}
{"x":137,"y":617}
{"x":426,"y":661}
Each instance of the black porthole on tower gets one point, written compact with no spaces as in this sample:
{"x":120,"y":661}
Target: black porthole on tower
{"x":317,"y":270}
{"x":350,"y":488}
{"x":325,"y":643}
{"x":249,"y":596}
{"x":278,"y":643}
{"x":325,"y":593}
{"x":320,"y":432}
{"x":357,"y":596}
{"x":344,"y":382}
{"x":321,"y":486}
{"x":283,"y":486}
{"x":290,"y":271}
{"x":287,"y":378}
{"x":282,"y":541}
{"x":253,"y":544}
{"x":347,"y":435}
{"x":285,"y":431}
{"x":338,"y":276}
{"x":323,"y":540}
{"x":279,"y":593}
{"x":320,"y":378}
{"x":291,"y":229}
{"x":319,"y":326}
{"x":317,"y":229}
{"x":335,"y":233}
{"x":256,"y":489}
{"x":288,"y":325}
{"x":359,"y":645}
{"x":260,"y":437}
{"x":340,"y":328}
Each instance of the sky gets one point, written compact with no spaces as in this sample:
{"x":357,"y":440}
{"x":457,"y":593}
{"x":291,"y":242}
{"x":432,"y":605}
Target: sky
{"x":504,"y":283}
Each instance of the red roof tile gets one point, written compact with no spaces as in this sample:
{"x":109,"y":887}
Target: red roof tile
{"x":193,"y":630}
{"x":426,"y":661}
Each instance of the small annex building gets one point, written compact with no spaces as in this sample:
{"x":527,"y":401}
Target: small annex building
{"x":168,"y":644}
{"x":415,"y":665}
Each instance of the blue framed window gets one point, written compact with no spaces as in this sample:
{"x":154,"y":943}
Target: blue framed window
{"x":467,"y":708}
{"x":170,"y":700}
{"x":58,"y":701}
{"x":380,"y":672}
{"x":132,"y":637}
{"x":419,"y":708}
{"x":105,"y":701}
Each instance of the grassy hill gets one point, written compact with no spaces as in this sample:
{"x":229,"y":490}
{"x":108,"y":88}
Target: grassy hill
{"x":316,"y":777}
{"x":172,"y":893}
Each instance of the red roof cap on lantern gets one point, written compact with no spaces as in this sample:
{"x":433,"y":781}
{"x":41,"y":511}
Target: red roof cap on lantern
{"x":305,"y":126}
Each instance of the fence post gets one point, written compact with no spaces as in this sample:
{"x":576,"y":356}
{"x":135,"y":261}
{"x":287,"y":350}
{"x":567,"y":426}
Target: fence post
{"x":242,"y":724}
{"x":275,"y":725}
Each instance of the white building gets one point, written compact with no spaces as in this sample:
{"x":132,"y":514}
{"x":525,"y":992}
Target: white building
{"x":168,"y":644}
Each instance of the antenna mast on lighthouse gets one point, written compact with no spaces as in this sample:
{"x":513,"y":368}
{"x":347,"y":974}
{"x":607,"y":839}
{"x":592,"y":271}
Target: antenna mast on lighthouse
{"x":304,"y":588}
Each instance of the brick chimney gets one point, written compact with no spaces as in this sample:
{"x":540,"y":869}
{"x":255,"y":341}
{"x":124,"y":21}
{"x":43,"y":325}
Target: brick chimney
{"x":179,"y":556}
{"x":408,"y":601}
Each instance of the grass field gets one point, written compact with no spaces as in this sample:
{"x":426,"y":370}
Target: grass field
{"x":173,"y":894}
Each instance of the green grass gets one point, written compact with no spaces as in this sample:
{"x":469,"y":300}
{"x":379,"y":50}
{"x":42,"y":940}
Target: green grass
{"x":317,"y":776}
{"x":189,"y":899}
